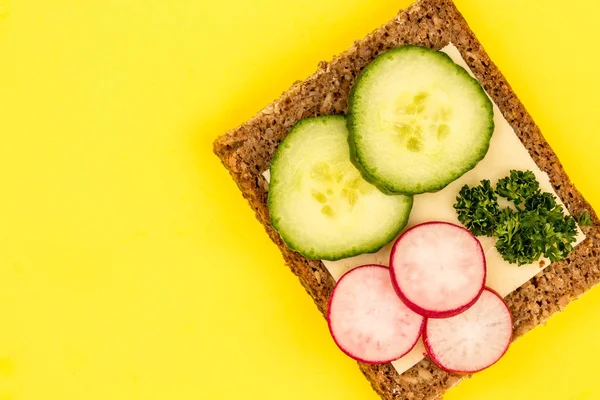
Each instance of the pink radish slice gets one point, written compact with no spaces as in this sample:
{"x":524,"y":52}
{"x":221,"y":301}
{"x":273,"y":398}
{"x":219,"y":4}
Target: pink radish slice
{"x":368,"y":321}
{"x":473,"y":340}
{"x":438,"y":269}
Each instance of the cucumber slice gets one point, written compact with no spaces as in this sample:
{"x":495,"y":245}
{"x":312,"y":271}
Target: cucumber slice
{"x":318,"y":201}
{"x":417,"y":121}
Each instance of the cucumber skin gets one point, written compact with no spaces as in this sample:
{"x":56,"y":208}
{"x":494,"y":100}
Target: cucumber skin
{"x":349,"y":253}
{"x":387,"y":187}
{"x":322,"y":256}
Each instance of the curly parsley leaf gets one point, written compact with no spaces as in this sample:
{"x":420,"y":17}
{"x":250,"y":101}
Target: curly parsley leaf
{"x":519,"y":241}
{"x":518,"y":187}
{"x":584,"y":219}
{"x":543,"y":202}
{"x":540,"y":229}
{"x":477,"y":208}
{"x":563,"y":226}
{"x":560,"y":238}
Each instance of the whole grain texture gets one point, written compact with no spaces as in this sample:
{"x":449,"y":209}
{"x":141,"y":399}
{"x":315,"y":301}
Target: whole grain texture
{"x":246,"y":152}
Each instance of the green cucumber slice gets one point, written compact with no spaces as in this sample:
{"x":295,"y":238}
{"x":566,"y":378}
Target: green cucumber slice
{"x":417,"y":121}
{"x":319,"y":202}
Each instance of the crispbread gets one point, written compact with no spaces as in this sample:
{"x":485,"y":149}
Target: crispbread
{"x":247,"y":150}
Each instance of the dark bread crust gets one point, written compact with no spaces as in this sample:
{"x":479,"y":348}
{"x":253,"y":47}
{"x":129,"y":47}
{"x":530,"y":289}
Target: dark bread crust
{"x":247,"y":151}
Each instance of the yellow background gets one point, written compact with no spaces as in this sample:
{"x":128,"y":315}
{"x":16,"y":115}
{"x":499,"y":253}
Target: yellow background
{"x":131,"y":267}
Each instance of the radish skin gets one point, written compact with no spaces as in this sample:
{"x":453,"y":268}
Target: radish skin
{"x":438,"y":269}
{"x":368,"y":321}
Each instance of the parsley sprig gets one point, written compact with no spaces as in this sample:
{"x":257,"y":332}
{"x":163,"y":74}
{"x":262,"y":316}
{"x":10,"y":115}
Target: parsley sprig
{"x":536,"y":226}
{"x":584,"y":219}
{"x":518,"y":187}
{"x":477,"y":208}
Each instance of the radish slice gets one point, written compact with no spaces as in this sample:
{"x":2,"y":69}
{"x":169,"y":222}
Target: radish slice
{"x":473,"y":340}
{"x":368,"y":321}
{"x":438,"y":269}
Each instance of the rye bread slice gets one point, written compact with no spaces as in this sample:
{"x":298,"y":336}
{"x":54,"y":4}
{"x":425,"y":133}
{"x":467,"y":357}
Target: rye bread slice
{"x":246,"y":152}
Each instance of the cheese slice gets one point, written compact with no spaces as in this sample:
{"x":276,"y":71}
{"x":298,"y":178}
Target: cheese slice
{"x":506,"y":152}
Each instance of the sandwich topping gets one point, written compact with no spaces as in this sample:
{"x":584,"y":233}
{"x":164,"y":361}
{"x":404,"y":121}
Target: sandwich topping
{"x":417,"y":121}
{"x":318,"y":201}
{"x":534,"y":225}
